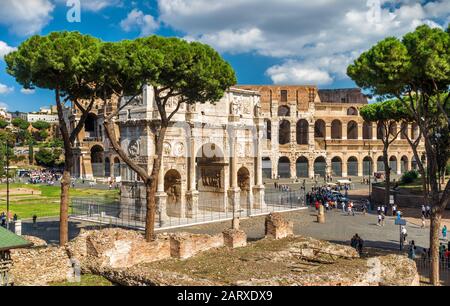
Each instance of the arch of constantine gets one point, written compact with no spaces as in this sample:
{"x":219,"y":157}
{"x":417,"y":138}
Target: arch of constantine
{"x":211,"y":157}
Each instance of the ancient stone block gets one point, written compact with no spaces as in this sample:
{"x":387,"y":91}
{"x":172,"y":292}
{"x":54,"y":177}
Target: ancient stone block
{"x":40,"y":266}
{"x":184,"y":245}
{"x":116,"y":248}
{"x":234,"y":238}
{"x":277,"y":227}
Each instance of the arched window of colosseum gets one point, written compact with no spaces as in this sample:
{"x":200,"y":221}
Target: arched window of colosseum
{"x":393,"y":129}
{"x":268,"y":129}
{"x":107,"y":167}
{"x":117,"y":167}
{"x":267,"y":167}
{"x":302,"y":132}
{"x":336,"y":167}
{"x":393,"y":164}
{"x":284,"y":96}
{"x":380,"y":164}
{"x":284,"y":167}
{"x":284,"y":111}
{"x":90,"y":126}
{"x":319,"y":129}
{"x":302,"y":167}
{"x":352,"y":130}
{"x":367,"y":130}
{"x":415,"y":131}
{"x":320,"y":166}
{"x":352,"y":166}
{"x":380,"y":131}
{"x":285,"y":132}
{"x":97,"y":154}
{"x":367,"y":166}
{"x":336,"y":129}
{"x":404,"y":164}
{"x":404,"y":132}
{"x":352,"y":112}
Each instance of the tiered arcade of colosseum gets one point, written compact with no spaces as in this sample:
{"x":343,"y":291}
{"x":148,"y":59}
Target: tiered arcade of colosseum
{"x":312,"y":132}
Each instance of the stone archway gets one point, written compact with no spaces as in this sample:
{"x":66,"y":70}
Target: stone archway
{"x":393,"y":164}
{"x":320,"y":166}
{"x":302,"y":132}
{"x":367,"y":131}
{"x":107,"y":167}
{"x":244,"y":184}
{"x":172,"y":187}
{"x":210,"y":170}
{"x":336,"y":166}
{"x":285,"y":132}
{"x":380,"y":164}
{"x":97,"y":161}
{"x":336,"y":129}
{"x":320,"y":129}
{"x":352,"y":166}
{"x":404,"y":164}
{"x":302,"y":167}
{"x":352,"y":130}
{"x":91,"y":127}
{"x":284,"y":167}
{"x":117,"y":169}
{"x":368,"y":166}
{"x":267,"y":167}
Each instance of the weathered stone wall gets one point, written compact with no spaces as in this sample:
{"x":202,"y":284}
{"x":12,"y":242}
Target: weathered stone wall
{"x":277,"y":227}
{"x":40,"y":266}
{"x":116,"y":248}
{"x":185,"y":245}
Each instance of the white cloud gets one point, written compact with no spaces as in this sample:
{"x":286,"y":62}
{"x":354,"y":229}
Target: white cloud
{"x":137,"y":20}
{"x":5,"y":49}
{"x":25,"y":17}
{"x":5,"y":89}
{"x":98,"y":5}
{"x":27,"y":91}
{"x":320,"y":37}
{"x":296,"y":73}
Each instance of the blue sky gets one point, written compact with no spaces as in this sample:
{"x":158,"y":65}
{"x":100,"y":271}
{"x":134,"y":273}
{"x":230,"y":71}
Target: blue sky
{"x":266,"y":41}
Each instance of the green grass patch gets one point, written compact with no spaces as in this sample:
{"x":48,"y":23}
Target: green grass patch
{"x":87,"y":280}
{"x":47,"y":203}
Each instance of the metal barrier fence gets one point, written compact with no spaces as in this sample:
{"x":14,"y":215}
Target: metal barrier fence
{"x":424,"y":268}
{"x":178,"y":214}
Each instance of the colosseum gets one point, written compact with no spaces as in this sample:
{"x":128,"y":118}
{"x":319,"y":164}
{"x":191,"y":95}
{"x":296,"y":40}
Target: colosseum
{"x":319,"y":132}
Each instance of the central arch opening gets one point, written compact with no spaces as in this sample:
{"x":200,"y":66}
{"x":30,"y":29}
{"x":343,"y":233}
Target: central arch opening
{"x":245,"y":185}
{"x":302,"y":132}
{"x":336,"y":129}
{"x":211,"y":177}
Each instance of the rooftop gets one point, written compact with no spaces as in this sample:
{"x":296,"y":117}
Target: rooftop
{"x":9,"y":240}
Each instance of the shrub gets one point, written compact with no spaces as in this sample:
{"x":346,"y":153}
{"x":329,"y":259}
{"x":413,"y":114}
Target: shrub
{"x":410,"y":177}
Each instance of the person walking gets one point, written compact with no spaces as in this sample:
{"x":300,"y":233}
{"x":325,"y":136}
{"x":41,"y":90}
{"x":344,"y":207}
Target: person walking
{"x":379,"y":220}
{"x":444,"y":232}
{"x":412,"y":250}
{"x":423,"y":221}
{"x":343,"y":207}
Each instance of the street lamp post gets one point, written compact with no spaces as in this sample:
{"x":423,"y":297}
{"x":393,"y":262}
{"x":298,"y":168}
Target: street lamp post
{"x":7,"y":185}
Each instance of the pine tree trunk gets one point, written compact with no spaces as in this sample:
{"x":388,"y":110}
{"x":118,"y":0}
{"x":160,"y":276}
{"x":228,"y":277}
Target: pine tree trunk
{"x":64,"y":206}
{"x":434,"y":245}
